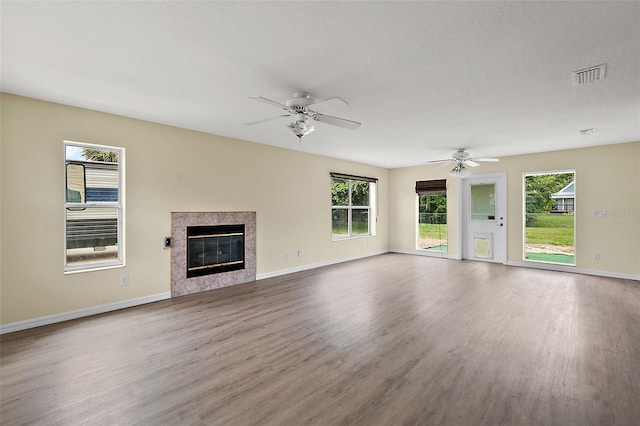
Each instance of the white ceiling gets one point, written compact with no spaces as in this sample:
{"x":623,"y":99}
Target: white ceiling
{"x":424,"y":78}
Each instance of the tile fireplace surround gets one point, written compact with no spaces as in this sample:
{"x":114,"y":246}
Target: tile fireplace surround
{"x":180,"y":284}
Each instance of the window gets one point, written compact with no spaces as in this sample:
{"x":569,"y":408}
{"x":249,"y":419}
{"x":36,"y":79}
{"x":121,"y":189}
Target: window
{"x":352,"y":198}
{"x":93,"y":206}
{"x":483,"y":202}
{"x":549,"y":217}
{"x":432,"y":215}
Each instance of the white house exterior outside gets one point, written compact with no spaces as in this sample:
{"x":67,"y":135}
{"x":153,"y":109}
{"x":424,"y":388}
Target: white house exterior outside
{"x":565,"y":199}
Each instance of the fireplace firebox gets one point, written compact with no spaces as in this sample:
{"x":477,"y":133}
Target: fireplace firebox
{"x":215,"y":249}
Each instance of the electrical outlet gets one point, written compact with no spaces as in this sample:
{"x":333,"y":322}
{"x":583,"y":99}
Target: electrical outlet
{"x":286,"y":255}
{"x":596,"y":256}
{"x":299,"y":253}
{"x":124,"y":280}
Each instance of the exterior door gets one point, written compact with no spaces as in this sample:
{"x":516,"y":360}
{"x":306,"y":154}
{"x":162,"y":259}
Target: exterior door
{"x":484,"y":218}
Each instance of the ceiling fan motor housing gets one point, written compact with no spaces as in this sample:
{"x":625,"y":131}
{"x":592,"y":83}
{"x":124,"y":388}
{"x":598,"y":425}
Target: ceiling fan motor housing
{"x":461,"y":154}
{"x":299,"y":100}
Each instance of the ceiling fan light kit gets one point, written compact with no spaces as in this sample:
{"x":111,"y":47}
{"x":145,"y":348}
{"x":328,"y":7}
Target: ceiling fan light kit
{"x":301,"y":128}
{"x":459,"y":171}
{"x":298,"y":107}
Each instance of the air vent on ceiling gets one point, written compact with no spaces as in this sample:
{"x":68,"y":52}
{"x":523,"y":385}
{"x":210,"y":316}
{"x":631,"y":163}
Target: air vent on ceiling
{"x":587,"y":132}
{"x":589,"y":75}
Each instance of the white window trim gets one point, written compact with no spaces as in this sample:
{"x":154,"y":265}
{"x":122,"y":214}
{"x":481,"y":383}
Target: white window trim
{"x":119,"y":206}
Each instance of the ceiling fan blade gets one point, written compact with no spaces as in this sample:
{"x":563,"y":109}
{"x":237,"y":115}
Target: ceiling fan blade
{"x":251,"y":123}
{"x":270,"y":102}
{"x":330,"y":99}
{"x":487,"y":159}
{"x":336,"y":121}
{"x":448,"y":160}
{"x":471,"y":163}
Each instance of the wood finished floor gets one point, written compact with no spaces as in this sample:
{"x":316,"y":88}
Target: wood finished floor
{"x":391,"y":339}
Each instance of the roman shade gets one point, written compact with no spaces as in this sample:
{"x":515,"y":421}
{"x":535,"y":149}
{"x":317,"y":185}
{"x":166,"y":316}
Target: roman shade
{"x":344,"y":176}
{"x":431,"y":187}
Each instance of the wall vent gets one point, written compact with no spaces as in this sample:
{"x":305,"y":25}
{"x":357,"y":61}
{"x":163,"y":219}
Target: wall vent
{"x":587,"y":132}
{"x":589,"y":75}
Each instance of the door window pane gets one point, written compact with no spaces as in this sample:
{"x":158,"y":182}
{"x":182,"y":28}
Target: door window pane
{"x":483,"y":202}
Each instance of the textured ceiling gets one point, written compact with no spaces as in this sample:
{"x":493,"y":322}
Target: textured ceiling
{"x":424,"y":78}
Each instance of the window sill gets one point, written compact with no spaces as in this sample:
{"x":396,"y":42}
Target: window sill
{"x":355,"y":237}
{"x":90,"y":268}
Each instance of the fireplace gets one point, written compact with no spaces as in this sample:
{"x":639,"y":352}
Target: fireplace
{"x":214,"y":249}
{"x":211,"y":250}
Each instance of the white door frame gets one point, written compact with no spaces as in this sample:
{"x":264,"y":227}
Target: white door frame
{"x":463,"y":213}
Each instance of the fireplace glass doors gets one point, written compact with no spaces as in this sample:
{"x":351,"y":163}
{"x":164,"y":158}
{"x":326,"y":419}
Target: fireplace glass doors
{"x":214,"y":249}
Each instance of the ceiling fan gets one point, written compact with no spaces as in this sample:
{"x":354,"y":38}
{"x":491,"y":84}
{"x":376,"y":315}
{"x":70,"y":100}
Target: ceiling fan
{"x":461,"y":159}
{"x":298,"y":107}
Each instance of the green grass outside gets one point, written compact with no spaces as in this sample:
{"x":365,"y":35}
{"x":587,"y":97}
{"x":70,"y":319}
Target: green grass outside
{"x":554,"y":221}
{"x":357,"y":228}
{"x":556,"y":230}
{"x":552,"y":236}
{"x":434,"y":231}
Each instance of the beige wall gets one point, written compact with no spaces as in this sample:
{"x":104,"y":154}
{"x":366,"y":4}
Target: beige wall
{"x":170,"y":169}
{"x":607,"y":178}
{"x":167,"y":169}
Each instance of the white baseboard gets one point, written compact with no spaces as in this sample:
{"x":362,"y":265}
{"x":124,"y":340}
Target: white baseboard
{"x":426,"y":254}
{"x":574,"y":270}
{"x":534,"y":265}
{"x":316,"y":265}
{"x":66,"y":316}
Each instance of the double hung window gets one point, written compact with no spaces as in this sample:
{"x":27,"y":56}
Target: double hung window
{"x":352,"y":201}
{"x":93,"y":206}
